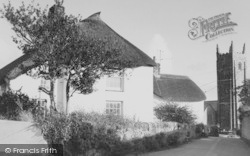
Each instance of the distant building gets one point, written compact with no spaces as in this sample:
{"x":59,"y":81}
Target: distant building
{"x":211,"y":113}
{"x":231,"y":73}
{"x":180,"y":90}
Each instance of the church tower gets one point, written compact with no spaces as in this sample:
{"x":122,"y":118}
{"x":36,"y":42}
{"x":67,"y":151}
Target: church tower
{"x":231,"y":73}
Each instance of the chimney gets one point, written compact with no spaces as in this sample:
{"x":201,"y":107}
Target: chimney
{"x":57,"y":9}
{"x":156,"y":68}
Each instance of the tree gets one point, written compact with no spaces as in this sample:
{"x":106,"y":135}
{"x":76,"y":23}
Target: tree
{"x":60,"y":49}
{"x":12,"y":103}
{"x":244,"y":98}
{"x":245,"y":93}
{"x":172,"y":112}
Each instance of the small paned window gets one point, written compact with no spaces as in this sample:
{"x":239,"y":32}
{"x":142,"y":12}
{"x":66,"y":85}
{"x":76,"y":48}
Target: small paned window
{"x":114,"y":107}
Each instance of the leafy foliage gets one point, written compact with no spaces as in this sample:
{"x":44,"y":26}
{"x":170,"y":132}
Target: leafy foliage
{"x":13,"y":103}
{"x":173,"y":112}
{"x":59,"y":48}
{"x":214,"y":131}
{"x":244,"y":99}
{"x":245,"y":94}
{"x":76,"y":135}
{"x":80,"y":137}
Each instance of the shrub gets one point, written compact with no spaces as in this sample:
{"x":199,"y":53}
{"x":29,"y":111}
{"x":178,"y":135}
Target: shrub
{"x":55,"y":128}
{"x":172,"y":138}
{"x":174,"y":113}
{"x":150,"y":143}
{"x":80,"y":137}
{"x":214,"y":131}
{"x":13,"y":103}
{"x":77,"y":135}
{"x":112,"y":121}
{"x":162,"y":140}
{"x":199,"y":129}
{"x":26,"y":116}
{"x":124,"y":148}
{"x":238,"y":132}
{"x":138,"y":146}
{"x":2,"y":117}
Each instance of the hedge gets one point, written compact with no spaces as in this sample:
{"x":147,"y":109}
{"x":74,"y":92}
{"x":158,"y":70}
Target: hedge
{"x":14,"y":105}
{"x":85,"y":134}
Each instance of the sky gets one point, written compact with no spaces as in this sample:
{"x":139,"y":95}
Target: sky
{"x":150,"y":24}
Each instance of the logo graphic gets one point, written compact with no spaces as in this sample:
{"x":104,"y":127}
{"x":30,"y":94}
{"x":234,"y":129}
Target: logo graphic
{"x":211,"y":28}
{"x":7,"y":150}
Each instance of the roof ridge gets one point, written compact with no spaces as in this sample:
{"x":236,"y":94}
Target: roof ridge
{"x":95,"y":16}
{"x":174,"y":76}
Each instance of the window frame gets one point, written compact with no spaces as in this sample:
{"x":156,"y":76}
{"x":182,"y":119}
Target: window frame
{"x":114,"y":102}
{"x":121,"y":88}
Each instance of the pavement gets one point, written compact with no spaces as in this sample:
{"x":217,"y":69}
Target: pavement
{"x":19,"y":135}
{"x":20,"y":132}
{"x":211,"y":146}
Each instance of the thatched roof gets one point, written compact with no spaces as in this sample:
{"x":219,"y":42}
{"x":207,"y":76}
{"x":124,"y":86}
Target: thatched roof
{"x":96,"y":28}
{"x":19,"y":66}
{"x":177,"y":88}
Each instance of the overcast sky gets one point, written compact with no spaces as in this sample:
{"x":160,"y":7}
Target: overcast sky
{"x":144,"y":22}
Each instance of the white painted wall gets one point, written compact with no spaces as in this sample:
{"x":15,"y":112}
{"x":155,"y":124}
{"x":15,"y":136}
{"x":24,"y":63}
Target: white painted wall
{"x":30,"y":87}
{"x":196,"y":107}
{"x":138,"y":99}
{"x":137,"y":96}
{"x":19,"y":132}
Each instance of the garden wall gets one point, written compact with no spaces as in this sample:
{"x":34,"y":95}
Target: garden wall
{"x":19,"y":132}
{"x":245,"y":129}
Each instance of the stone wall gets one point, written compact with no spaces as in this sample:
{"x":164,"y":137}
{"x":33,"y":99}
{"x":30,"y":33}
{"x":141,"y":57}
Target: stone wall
{"x":245,"y":129}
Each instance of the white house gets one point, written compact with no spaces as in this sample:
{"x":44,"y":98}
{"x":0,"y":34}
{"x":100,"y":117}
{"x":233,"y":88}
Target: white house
{"x":176,"y":88}
{"x":180,"y":90}
{"x":130,"y":95}
{"x":133,"y":95}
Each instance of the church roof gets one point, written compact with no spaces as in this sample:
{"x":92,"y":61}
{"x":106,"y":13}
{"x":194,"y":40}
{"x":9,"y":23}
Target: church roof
{"x":95,"y":27}
{"x":177,"y":88}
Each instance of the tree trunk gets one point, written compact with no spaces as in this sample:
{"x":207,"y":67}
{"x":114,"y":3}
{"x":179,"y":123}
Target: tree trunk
{"x":67,"y":91}
{"x":51,"y":95}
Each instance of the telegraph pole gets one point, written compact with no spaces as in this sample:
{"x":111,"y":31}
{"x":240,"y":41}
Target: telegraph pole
{"x":235,"y":101}
{"x":231,"y":105}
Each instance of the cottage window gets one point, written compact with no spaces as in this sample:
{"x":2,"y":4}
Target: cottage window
{"x":114,"y":107}
{"x":44,"y":83}
{"x":115,"y":83}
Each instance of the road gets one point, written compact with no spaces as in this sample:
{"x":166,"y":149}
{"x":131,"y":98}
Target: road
{"x":212,"y":146}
